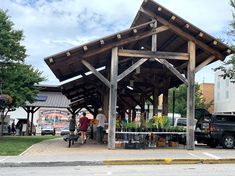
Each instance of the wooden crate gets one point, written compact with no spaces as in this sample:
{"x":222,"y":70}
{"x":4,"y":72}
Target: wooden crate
{"x":172,"y":144}
{"x":161,"y":143}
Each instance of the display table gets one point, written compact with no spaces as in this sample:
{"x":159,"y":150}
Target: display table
{"x":149,"y":139}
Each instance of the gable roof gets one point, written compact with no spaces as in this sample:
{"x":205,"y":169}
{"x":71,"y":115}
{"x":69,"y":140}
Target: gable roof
{"x":50,"y":97}
{"x":67,"y":64}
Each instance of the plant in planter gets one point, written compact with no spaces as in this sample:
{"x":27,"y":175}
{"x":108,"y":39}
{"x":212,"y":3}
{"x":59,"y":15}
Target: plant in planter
{"x":132,"y":126}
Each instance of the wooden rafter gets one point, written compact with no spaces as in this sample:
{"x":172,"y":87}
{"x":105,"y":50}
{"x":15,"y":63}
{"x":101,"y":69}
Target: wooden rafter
{"x":181,"y":33}
{"x":131,"y":69}
{"x":205,"y":63}
{"x":96,"y":73}
{"x":153,"y":54}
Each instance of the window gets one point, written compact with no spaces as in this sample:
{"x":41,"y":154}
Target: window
{"x":41,"y":98}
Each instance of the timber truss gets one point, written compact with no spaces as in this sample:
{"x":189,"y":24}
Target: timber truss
{"x":131,"y":67}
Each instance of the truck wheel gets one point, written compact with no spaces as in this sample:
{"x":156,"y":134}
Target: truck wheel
{"x":228,"y":141}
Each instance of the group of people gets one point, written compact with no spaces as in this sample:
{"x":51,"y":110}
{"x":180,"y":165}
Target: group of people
{"x":12,"y":128}
{"x":84,"y":123}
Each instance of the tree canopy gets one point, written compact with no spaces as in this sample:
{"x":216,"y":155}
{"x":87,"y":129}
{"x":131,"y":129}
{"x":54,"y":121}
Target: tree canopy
{"x":17,"y":79}
{"x":181,"y":99}
{"x":228,"y":68}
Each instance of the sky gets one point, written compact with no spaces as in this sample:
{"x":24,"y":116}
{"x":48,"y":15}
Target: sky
{"x":52,"y":26}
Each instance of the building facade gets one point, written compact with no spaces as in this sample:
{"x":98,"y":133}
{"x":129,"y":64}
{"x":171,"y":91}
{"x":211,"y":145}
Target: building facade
{"x":224,"y":94}
{"x":207,"y":90}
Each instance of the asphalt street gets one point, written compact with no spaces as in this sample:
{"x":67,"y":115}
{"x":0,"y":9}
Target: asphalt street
{"x":131,"y":170}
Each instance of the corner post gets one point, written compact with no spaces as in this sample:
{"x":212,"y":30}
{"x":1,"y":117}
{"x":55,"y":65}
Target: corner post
{"x":191,"y":95}
{"x":113,"y":99}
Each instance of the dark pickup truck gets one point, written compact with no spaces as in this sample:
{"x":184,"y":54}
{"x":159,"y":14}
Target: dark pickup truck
{"x":216,"y":129}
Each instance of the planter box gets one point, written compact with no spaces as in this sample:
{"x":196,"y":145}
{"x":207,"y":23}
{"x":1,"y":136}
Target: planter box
{"x":119,"y":145}
{"x":134,"y":146}
{"x":161,"y":143}
{"x":172,"y":144}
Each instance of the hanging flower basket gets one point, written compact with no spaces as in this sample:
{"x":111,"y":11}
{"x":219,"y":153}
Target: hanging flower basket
{"x":5,"y":100}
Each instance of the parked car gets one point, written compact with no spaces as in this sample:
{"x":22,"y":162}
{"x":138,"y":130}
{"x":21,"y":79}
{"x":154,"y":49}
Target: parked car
{"x":64,"y":131}
{"x":183,"y":122}
{"x":47,"y":130}
{"x":216,"y":129}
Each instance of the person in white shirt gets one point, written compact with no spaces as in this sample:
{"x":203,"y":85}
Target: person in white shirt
{"x":100,"y":126}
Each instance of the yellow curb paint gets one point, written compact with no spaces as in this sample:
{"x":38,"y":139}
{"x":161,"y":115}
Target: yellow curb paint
{"x":168,"y":160}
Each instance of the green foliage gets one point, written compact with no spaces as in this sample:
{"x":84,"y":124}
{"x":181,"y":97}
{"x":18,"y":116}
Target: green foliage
{"x":181,"y":99}
{"x":228,"y":68}
{"x":17,"y":79}
{"x":160,"y":121}
{"x":132,"y":125}
{"x":10,"y":46}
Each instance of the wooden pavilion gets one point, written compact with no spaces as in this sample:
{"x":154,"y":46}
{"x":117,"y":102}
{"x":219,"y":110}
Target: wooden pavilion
{"x":159,"y":51}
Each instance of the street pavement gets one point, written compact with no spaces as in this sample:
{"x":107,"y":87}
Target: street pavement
{"x":124,"y":170}
{"x":56,"y":152}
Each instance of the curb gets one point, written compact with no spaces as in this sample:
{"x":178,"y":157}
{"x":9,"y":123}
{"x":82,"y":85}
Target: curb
{"x":164,"y":161}
{"x":52,"y":164}
{"x":168,"y":161}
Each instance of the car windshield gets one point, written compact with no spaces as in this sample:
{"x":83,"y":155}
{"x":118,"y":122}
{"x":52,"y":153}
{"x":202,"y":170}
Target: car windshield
{"x":182,"y":122}
{"x":47,"y":127}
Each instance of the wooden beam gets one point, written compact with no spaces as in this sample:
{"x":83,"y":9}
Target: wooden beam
{"x":130,"y":69}
{"x":113,"y":99}
{"x":154,"y":39}
{"x":191,"y":96}
{"x":127,"y":40}
{"x":205,"y":63}
{"x":173,"y":70}
{"x":153,"y":54}
{"x":96,"y":73}
{"x":182,"y":33}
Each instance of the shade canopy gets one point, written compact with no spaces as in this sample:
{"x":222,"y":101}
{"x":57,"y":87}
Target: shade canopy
{"x":173,"y":34}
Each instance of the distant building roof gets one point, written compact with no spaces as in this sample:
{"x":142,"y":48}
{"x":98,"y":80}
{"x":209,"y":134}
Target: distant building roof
{"x":50,"y":97}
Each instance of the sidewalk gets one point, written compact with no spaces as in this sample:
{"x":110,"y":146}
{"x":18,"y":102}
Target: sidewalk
{"x":56,"y":152}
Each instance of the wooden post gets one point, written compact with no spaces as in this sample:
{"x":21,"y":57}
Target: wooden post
{"x":113,"y":98}
{"x":105,"y":107}
{"x":167,"y":82}
{"x":191,"y":96}
{"x":27,"y":125}
{"x":165,"y":102}
{"x":129,"y":115}
{"x":155,"y":101}
{"x":31,"y":124}
{"x":155,"y":93}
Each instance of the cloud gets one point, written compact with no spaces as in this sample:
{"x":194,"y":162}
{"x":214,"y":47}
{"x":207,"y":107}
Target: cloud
{"x":51,"y":26}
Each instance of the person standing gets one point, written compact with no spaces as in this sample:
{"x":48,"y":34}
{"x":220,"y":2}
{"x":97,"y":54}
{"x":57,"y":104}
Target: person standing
{"x":100,"y":126}
{"x":13,"y":128}
{"x":83,"y":125}
{"x":72,"y":125}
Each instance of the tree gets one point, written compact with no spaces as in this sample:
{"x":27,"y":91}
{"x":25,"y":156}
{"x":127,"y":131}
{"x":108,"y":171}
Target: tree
{"x":181,"y":99}
{"x":228,"y":67}
{"x":17,"y":80}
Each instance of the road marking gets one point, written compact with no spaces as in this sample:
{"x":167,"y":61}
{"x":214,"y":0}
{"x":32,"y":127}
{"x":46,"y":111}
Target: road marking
{"x":4,"y":159}
{"x":26,"y":150}
{"x":196,"y":156}
{"x":210,"y":155}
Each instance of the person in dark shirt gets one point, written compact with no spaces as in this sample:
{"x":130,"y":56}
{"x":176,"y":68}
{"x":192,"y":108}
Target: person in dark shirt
{"x":83,"y":126}
{"x":72,"y":125}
